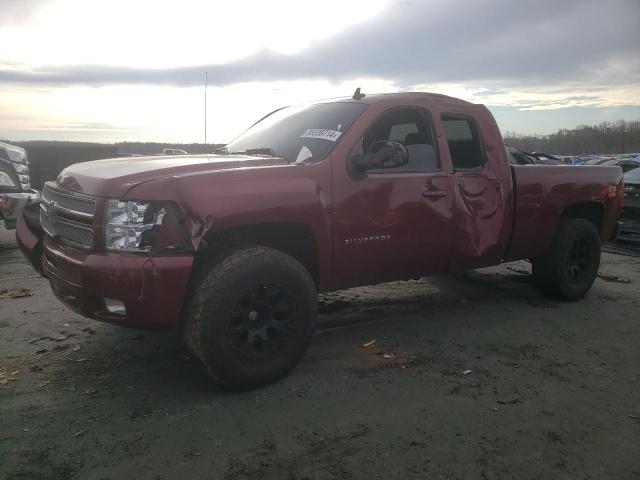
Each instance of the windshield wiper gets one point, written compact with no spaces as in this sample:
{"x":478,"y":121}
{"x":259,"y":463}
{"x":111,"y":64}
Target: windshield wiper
{"x":266,"y":151}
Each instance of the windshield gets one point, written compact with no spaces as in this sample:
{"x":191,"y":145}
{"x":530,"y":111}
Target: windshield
{"x":632,"y":176}
{"x":298,"y":134}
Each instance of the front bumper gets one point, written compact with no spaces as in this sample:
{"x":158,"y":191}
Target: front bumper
{"x":152,"y":288}
{"x":11,"y":204}
{"x":629,"y":232}
{"x":629,"y":223}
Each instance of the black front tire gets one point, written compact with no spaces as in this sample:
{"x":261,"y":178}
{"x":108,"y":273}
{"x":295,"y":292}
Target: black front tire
{"x":569,"y":268}
{"x":251,"y":317}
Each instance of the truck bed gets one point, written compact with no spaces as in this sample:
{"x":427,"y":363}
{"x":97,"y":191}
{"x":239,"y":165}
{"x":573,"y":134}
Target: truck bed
{"x":542,"y":193}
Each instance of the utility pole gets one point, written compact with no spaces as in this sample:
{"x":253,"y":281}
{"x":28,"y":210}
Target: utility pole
{"x":205,"y":106}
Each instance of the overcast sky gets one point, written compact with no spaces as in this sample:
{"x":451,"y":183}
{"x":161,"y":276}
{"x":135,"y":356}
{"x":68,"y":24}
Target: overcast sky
{"x":134,"y":70}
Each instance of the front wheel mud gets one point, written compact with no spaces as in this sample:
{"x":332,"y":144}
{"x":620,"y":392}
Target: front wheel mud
{"x":252,"y":317}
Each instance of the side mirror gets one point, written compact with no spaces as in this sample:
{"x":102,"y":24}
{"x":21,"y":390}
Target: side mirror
{"x":381,"y":154}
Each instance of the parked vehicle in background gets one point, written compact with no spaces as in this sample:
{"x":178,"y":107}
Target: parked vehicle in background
{"x":519,"y":157}
{"x":15,"y":186}
{"x":572,"y":160}
{"x":173,"y":151}
{"x":626,"y":164}
{"x":629,"y":230}
{"x":232,"y":248}
{"x":546,"y":159}
{"x":598,"y":160}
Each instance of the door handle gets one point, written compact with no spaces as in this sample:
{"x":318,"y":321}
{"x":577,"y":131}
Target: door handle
{"x":434,"y":194}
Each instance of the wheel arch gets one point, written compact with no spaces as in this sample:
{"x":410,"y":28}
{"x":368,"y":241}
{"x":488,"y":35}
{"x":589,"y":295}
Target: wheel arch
{"x":590,"y":211}
{"x":293,"y":238}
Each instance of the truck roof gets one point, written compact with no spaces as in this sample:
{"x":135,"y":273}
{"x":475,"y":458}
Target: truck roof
{"x":371,"y":99}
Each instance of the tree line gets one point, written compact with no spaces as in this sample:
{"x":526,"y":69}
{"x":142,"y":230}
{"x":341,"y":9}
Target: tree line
{"x":607,"y":137}
{"x":121,"y":148}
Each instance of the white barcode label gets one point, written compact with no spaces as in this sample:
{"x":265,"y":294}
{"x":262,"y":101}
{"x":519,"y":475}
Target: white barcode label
{"x":324,"y":133}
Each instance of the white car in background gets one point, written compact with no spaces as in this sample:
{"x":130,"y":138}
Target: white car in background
{"x":173,"y":151}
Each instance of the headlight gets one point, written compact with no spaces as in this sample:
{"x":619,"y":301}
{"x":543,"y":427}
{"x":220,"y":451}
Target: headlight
{"x":17,"y":156}
{"x":126,"y":223}
{"x":21,"y":168}
{"x":5,"y":180}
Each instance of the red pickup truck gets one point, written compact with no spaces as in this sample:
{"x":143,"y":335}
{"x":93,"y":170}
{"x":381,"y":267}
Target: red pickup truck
{"x":232,"y":247}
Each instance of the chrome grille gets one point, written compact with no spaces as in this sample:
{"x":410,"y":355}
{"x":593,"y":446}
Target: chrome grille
{"x":63,"y":215}
{"x":68,"y":232}
{"x":73,"y":204}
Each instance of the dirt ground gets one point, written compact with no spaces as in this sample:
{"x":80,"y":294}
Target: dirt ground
{"x":474,"y":376}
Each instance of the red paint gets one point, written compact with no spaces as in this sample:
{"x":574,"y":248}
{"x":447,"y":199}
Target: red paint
{"x":152,"y":289}
{"x":386,"y":226}
{"x":544,"y":191}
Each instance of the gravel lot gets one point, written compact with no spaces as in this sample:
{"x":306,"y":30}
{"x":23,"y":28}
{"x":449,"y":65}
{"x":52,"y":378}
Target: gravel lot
{"x":553,"y":388}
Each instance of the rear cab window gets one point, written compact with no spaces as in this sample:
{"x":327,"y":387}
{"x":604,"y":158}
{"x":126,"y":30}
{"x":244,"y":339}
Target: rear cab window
{"x":463,"y":139}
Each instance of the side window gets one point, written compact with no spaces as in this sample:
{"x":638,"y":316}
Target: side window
{"x":410,"y":127}
{"x":464,"y":143}
{"x":400,"y":131}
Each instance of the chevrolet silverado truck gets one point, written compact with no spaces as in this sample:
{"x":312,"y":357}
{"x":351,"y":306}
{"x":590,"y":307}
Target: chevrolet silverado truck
{"x":15,"y":188}
{"x":233,"y":247}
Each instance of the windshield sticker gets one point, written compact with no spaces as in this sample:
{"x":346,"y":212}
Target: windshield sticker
{"x":324,"y":133}
{"x":303,"y":154}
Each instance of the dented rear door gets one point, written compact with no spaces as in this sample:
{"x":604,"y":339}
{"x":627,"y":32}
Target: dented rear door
{"x":483,"y":188}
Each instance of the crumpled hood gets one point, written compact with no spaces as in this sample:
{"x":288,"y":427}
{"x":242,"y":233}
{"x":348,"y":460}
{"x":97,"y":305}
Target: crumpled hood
{"x":115,"y":176}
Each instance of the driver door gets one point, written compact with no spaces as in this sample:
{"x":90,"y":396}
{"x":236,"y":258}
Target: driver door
{"x":393,"y":223}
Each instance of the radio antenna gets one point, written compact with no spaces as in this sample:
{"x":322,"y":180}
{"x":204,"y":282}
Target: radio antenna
{"x":206,"y":81}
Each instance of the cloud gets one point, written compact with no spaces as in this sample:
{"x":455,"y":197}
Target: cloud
{"x":413,"y":42}
{"x":589,"y":47}
{"x":19,"y":11}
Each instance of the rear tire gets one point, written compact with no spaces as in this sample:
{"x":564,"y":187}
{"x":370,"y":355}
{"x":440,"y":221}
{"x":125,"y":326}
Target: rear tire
{"x":251,"y":317}
{"x":570,"y":266}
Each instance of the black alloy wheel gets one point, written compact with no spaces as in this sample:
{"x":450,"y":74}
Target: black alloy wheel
{"x":578,"y":260}
{"x":250,"y":316}
{"x":570,"y":266}
{"x":261,"y":320}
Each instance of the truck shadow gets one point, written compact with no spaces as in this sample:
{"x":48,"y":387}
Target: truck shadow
{"x":114,"y":362}
{"x":356,"y":306}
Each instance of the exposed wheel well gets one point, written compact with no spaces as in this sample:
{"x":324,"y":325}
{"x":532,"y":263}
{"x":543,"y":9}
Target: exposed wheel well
{"x":292,"y":238}
{"x":591,"y":211}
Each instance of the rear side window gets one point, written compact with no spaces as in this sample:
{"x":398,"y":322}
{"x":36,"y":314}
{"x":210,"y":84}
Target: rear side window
{"x":464,"y":143}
